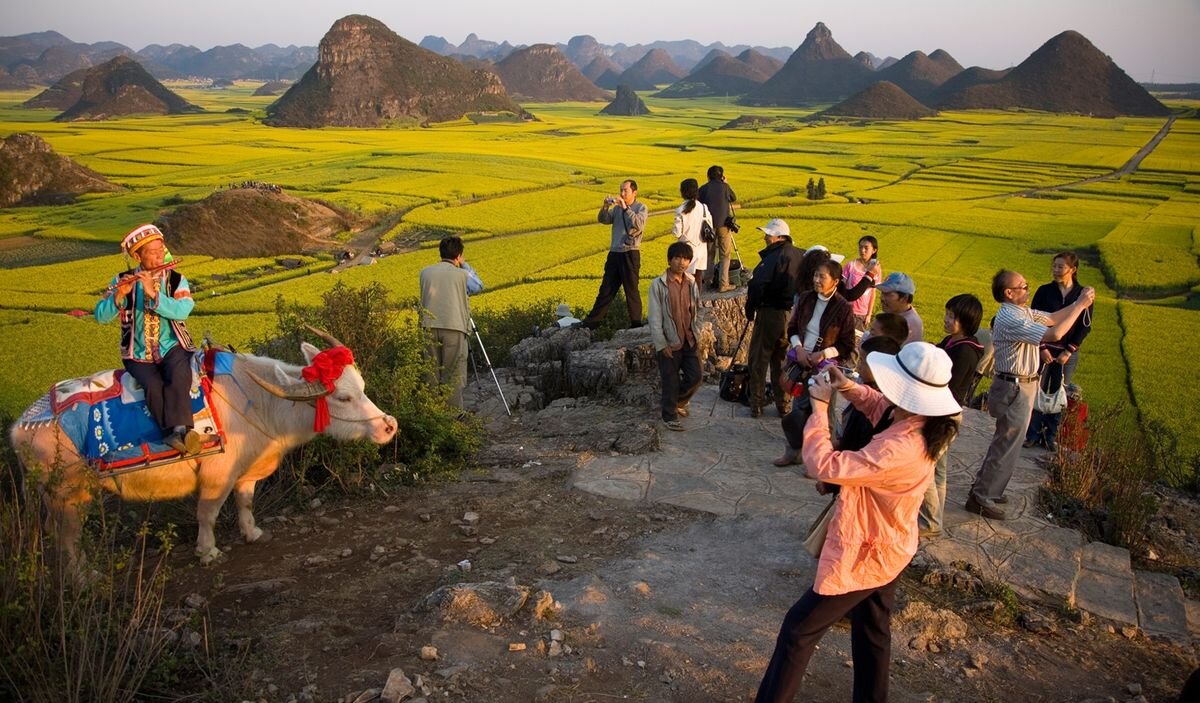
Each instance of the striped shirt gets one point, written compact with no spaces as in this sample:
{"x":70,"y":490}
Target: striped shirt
{"x":1016,"y":333}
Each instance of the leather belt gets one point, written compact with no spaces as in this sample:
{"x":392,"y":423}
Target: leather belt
{"x":1013,"y":378}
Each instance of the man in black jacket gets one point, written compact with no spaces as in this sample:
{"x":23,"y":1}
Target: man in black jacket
{"x":768,"y":300}
{"x":719,"y":197}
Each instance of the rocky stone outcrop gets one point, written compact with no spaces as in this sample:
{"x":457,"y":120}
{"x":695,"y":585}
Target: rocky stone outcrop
{"x":368,"y":76}
{"x":32,"y":174}
{"x":562,"y":363}
{"x":484,"y":604}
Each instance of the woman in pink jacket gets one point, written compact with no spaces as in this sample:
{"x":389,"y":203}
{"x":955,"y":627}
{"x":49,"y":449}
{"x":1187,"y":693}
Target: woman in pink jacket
{"x":873,"y":533}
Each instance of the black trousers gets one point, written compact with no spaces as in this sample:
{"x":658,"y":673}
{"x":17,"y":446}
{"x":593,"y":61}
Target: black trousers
{"x":870,"y":614}
{"x":621,"y":270}
{"x":168,"y":385}
{"x":793,"y":422}
{"x":680,"y":376}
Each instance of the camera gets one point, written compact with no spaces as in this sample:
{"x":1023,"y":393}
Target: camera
{"x":610,"y":200}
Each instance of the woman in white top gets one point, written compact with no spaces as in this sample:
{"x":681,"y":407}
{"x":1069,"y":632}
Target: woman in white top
{"x":687,"y":225}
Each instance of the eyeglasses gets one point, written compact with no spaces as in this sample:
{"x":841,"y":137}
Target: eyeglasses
{"x":1023,"y":286}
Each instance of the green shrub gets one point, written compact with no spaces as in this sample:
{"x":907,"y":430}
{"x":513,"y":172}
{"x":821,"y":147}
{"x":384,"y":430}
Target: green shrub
{"x":432,"y":439}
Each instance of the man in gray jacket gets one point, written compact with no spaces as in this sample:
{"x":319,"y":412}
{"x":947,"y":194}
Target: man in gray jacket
{"x":628,"y":219}
{"x":675,"y":330}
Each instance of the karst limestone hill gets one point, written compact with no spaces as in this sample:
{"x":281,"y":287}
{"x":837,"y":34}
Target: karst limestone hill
{"x":920,"y":75}
{"x":607,"y":74}
{"x":542,"y":73}
{"x":65,"y":92}
{"x":31,"y":173}
{"x":879,"y":101}
{"x":257,"y":220}
{"x":723,"y":75}
{"x":1066,"y":74}
{"x":368,"y":76}
{"x":873,"y":62}
{"x":975,"y":75}
{"x":272,"y":88}
{"x":819,"y":70}
{"x":650,"y":71}
{"x":626,"y":104}
{"x":120,"y":87}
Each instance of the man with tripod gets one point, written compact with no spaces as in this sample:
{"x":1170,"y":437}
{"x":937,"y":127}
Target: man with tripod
{"x":446,"y":314}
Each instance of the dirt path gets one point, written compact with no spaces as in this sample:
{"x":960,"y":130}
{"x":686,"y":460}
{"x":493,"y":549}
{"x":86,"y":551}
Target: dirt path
{"x":655,"y":603}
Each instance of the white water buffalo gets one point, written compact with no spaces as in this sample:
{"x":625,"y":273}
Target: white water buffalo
{"x":267,"y":409}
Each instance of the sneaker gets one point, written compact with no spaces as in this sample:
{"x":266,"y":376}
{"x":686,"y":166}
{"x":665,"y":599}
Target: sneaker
{"x":673,"y":425}
{"x":726,"y":288}
{"x":1002,"y":500}
{"x":990,"y":512}
{"x":682,"y":411}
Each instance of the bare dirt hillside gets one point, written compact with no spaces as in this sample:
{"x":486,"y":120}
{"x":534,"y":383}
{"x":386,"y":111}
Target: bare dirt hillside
{"x":254,"y":221}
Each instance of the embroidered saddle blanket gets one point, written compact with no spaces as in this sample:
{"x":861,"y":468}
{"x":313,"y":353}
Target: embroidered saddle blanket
{"x":106,"y":418}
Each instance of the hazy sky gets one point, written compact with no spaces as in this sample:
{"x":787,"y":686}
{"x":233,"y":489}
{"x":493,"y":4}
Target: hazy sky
{"x":1142,"y":36}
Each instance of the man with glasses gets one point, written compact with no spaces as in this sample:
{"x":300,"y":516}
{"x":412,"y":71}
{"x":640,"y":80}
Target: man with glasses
{"x":1017,"y":332}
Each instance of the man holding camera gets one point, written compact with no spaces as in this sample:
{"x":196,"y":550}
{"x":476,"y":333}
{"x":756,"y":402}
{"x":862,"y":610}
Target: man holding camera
{"x":719,"y":198}
{"x":1017,"y":332}
{"x":628,"y":219}
{"x":769,"y":297}
{"x":446,"y":314}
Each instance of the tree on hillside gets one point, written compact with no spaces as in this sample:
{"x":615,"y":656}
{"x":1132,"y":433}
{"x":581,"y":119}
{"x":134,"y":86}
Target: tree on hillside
{"x":820,"y":189}
{"x":812,"y":190}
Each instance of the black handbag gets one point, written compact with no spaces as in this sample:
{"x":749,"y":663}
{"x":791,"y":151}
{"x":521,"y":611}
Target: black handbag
{"x":707,"y":235}
{"x":734,"y":385}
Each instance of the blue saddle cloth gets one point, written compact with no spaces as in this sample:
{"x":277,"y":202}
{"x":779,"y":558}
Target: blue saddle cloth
{"x":106,"y":418}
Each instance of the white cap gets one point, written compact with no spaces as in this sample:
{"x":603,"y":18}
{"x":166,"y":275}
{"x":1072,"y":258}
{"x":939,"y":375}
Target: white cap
{"x":777,"y":228}
{"x":821,"y":247}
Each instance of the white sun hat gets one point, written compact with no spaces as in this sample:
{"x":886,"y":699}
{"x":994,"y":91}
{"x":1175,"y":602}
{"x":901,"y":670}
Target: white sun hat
{"x":821,"y":247}
{"x":917,"y":379}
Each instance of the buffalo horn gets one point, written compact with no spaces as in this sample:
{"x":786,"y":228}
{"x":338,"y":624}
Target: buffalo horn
{"x":301,"y":391}
{"x":329,"y":338}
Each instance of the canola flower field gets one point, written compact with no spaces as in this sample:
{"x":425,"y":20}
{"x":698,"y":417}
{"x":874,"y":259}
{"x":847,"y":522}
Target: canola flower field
{"x":948,"y":198}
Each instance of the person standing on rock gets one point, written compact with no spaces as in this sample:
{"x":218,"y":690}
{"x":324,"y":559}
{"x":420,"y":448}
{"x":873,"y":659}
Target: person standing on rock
{"x":872,"y":534}
{"x":719,"y":198}
{"x":689,"y":221}
{"x":446,"y":314}
{"x":624,"y":263}
{"x":1017,"y":333}
{"x":675,"y":331}
{"x":769,"y":297}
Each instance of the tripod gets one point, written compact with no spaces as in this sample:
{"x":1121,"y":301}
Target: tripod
{"x":488,"y":363}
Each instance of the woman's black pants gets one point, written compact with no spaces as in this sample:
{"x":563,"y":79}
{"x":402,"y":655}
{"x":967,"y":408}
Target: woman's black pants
{"x":870,"y":614}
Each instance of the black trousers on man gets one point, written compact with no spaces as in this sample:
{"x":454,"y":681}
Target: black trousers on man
{"x":168,"y":385}
{"x":621,"y":270}
{"x":680,"y":377}
{"x":870,"y":614}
